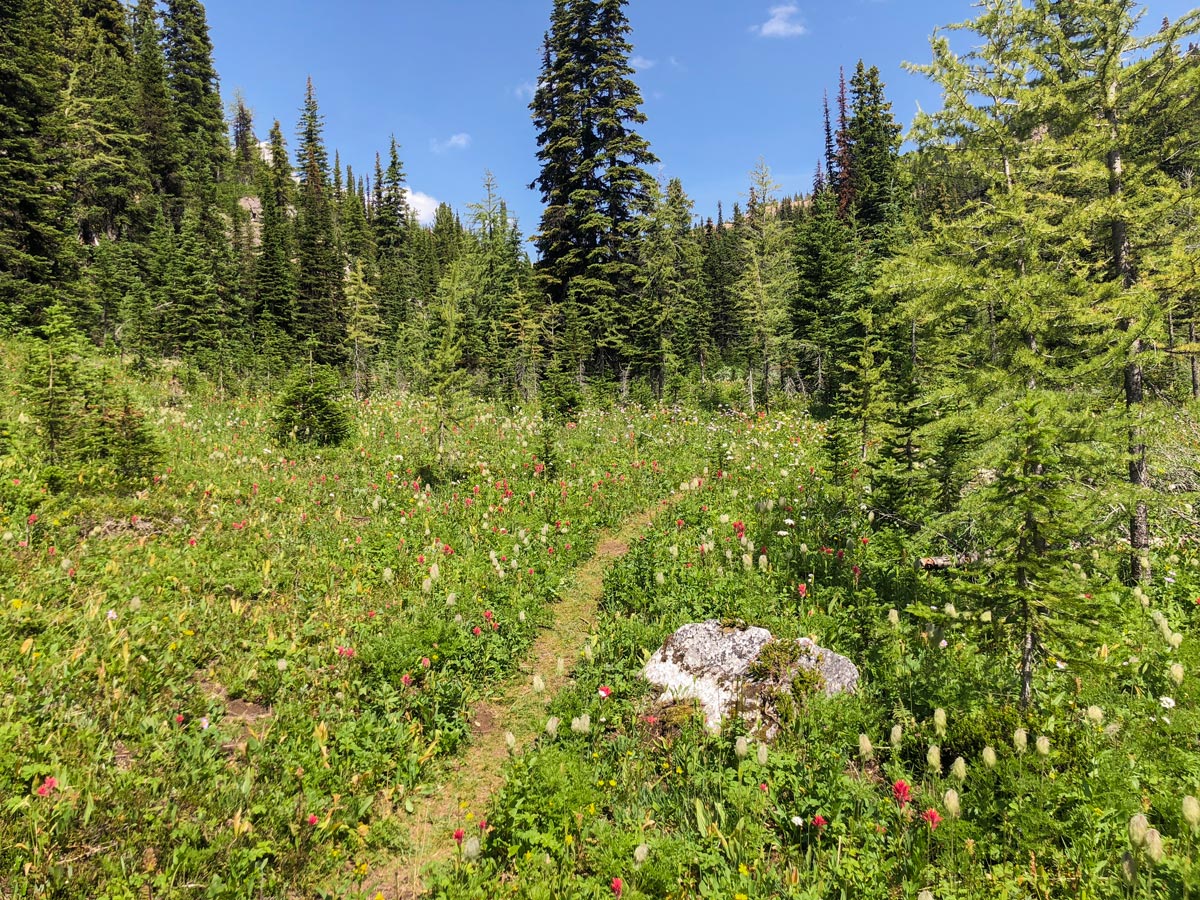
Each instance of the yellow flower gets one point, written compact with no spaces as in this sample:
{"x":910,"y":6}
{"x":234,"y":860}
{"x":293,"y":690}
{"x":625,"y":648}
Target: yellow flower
{"x":740,"y":896}
{"x":743,"y":870}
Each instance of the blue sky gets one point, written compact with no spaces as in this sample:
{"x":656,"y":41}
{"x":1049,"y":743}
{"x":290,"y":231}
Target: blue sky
{"x":725,"y":81}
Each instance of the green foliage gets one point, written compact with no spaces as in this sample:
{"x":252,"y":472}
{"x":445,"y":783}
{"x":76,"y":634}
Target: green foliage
{"x":309,"y":409}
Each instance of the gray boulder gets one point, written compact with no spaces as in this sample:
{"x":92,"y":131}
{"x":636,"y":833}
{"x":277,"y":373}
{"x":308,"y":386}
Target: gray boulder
{"x":744,"y":671}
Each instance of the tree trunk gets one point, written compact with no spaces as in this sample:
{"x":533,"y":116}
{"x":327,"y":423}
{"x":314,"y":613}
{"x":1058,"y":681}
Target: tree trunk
{"x":1195,"y":368}
{"x":1139,"y":520}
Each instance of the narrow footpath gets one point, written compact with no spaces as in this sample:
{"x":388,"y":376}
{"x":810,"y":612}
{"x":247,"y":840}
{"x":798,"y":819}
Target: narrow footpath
{"x":470,"y":782}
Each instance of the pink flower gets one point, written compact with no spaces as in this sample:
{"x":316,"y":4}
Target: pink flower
{"x":604,"y":691}
{"x":425,"y":663}
{"x":179,"y":719}
{"x":458,"y":836}
{"x":346,"y":652}
{"x":763,"y":787}
{"x":406,"y":680}
{"x":802,"y":589}
{"x":617,"y":886}
{"x":932,"y":817}
{"x":819,"y":821}
{"x":902,"y":791}
{"x":46,"y":788}
{"x":32,"y":520}
{"x":476,"y":631}
{"x":312,"y":819}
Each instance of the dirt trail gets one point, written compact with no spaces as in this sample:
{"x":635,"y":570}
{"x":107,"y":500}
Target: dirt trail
{"x":469,"y":783}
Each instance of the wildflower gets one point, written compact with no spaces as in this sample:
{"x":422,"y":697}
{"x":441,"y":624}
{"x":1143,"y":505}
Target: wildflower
{"x":604,"y":691}
{"x":425,"y":663}
{"x":539,"y":684}
{"x":1095,"y":715}
{"x":902,"y":791}
{"x":819,"y":821}
{"x":959,"y":770}
{"x":1020,"y":740}
{"x":581,"y":724}
{"x":510,"y":740}
{"x":617,"y":887}
{"x":1176,"y":674}
{"x":1153,"y":846}
{"x":1139,"y":825}
{"x":925,"y":895}
{"x":763,"y":787}
{"x":204,"y":723}
{"x":406,"y":680}
{"x":894,"y":618}
{"x":1166,"y":702}
{"x":1128,"y":868}
{"x":346,"y":652}
{"x":641,"y":853}
{"x":281,"y":664}
{"x":46,"y":788}
{"x":932,"y":817}
{"x":477,"y":631}
{"x":798,"y":821}
{"x":179,"y":719}
{"x":897,"y":736}
{"x":989,"y":757}
{"x":802,"y":589}
{"x":112,"y":615}
{"x":933,"y":756}
{"x":762,"y":754}
{"x":1191,"y":812}
{"x":552,"y":726}
{"x":951,"y":802}
{"x":312,"y":819}
{"x":1043,"y":745}
{"x":741,"y":748}
{"x":471,"y":849}
{"x":865,"y":750}
{"x":939,"y":721}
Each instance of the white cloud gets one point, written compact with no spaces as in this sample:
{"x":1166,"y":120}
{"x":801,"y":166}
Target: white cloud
{"x":424,"y":205}
{"x":641,"y":63}
{"x":460,"y":141}
{"x":782,"y":23}
{"x":525,"y":91}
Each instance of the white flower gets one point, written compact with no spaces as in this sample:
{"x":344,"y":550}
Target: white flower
{"x":1166,"y":702}
{"x":798,"y":821}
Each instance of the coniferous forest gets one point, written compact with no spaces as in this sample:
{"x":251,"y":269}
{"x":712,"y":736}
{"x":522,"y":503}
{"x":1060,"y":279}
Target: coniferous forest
{"x":334,"y":543}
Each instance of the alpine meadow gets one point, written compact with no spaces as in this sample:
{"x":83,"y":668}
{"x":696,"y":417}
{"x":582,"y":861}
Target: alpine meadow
{"x":839,"y":542}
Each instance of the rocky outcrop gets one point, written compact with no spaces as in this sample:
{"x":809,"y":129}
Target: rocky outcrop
{"x":733,"y":670}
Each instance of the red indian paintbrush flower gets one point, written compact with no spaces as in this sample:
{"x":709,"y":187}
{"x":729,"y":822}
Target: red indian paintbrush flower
{"x":902,"y":792}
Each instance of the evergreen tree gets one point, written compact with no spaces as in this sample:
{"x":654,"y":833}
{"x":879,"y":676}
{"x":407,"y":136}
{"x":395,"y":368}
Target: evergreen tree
{"x":362,"y":327}
{"x":593,"y":178}
{"x":668,"y":328}
{"x":245,"y":144}
{"x":108,"y":174}
{"x":275,"y":275}
{"x":874,"y":138}
{"x":33,"y":247}
{"x":162,"y":140}
{"x":194,"y":85}
{"x":318,"y":306}
{"x":765,"y":284}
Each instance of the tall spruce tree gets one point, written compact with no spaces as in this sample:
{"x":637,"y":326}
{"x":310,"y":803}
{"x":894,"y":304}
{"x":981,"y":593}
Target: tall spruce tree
{"x":162,"y":140}
{"x":318,"y":308}
{"x":593,"y":178}
{"x":194,"y":86}
{"x":33,"y":246}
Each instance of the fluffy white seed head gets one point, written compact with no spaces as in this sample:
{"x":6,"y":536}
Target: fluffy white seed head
{"x":933,"y":756}
{"x":1020,"y":740}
